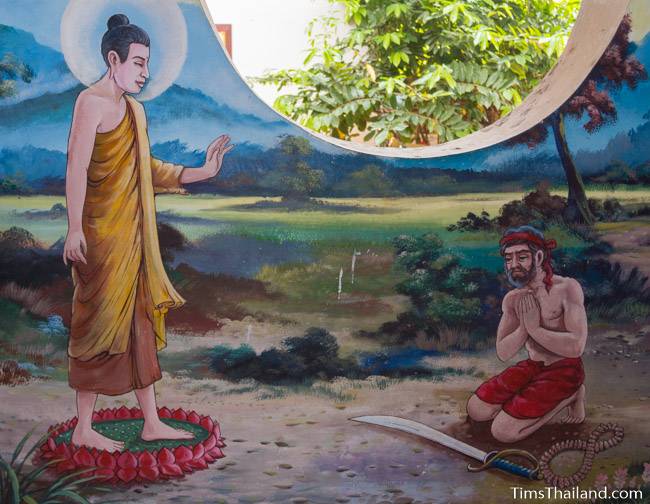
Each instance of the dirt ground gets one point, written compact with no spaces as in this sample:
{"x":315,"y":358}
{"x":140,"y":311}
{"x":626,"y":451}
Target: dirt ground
{"x":299,"y":446}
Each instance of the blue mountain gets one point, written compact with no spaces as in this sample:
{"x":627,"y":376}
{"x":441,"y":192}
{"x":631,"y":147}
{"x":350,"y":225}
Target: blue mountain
{"x":51,"y":71}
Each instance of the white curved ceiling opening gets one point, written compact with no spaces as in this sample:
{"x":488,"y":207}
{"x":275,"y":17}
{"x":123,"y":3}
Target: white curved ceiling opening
{"x":594,"y":28}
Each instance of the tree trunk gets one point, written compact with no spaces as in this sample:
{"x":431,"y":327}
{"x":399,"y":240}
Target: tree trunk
{"x":578,"y":207}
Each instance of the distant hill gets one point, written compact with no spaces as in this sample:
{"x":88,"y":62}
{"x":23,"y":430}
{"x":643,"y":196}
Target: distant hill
{"x":51,"y":71}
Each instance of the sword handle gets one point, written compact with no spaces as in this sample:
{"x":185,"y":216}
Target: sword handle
{"x":497,"y":460}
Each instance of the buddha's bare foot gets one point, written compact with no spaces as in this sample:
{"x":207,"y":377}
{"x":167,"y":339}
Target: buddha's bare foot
{"x":93,"y":439}
{"x":576,"y":412}
{"x":159,"y":430}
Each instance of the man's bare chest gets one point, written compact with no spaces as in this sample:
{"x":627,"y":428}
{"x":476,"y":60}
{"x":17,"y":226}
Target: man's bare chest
{"x":551,"y":310}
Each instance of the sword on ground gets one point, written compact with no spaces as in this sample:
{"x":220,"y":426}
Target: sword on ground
{"x":493,"y":459}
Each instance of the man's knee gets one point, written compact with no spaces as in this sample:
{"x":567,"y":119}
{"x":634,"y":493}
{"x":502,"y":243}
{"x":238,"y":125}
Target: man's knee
{"x":507,"y":429}
{"x":481,"y":411}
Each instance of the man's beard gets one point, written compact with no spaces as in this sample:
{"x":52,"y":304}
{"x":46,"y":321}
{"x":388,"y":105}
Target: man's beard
{"x":521,"y":281}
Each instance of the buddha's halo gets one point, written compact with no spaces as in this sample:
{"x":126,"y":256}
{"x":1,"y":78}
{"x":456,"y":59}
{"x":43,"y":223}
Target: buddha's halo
{"x":84,"y":22}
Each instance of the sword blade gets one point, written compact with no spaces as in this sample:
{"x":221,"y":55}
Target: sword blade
{"x":423,"y":431}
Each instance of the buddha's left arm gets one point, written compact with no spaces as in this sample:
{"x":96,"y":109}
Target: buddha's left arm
{"x":167,"y":177}
{"x":572,"y":342}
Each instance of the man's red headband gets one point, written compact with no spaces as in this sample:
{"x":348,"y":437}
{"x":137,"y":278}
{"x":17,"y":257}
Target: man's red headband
{"x":523,"y":236}
{"x":546,"y":245}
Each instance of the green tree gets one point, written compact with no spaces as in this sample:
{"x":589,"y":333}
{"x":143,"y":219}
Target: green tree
{"x":299,"y":181}
{"x":10,"y":70}
{"x":423,"y":71}
{"x":368,"y":181}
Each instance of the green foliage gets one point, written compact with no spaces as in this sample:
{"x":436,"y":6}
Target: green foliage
{"x":422,"y":71}
{"x":13,"y":185}
{"x":10,"y":70}
{"x":453,"y":306}
{"x":295,"y":179}
{"x":439,"y":287}
{"x":18,"y":486}
{"x":368,"y":181}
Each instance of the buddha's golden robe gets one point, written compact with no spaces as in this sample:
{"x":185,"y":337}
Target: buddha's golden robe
{"x":119,"y":223}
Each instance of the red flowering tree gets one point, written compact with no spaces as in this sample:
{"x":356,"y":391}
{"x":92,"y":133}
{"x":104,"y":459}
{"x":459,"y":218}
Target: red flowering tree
{"x":615,"y":68}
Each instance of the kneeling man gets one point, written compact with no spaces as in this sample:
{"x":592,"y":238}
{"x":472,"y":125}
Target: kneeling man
{"x":546,"y":314}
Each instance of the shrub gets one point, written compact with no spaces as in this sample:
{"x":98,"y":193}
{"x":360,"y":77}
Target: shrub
{"x":313,"y":356}
{"x":473,"y":222}
{"x":12,"y":374}
{"x":611,"y":292}
{"x":609,"y":210}
{"x":446,"y":297}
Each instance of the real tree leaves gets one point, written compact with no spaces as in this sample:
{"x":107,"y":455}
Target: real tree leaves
{"x":416,"y":72}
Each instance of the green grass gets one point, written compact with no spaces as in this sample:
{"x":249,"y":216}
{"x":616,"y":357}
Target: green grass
{"x":388,"y":216}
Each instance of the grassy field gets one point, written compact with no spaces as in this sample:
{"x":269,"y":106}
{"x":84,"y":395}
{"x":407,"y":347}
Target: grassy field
{"x":366,"y":226}
{"x":376,"y":220}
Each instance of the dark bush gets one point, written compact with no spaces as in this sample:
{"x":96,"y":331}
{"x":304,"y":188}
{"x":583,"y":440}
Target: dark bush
{"x":538,"y":208}
{"x":611,"y":292}
{"x":609,"y":210}
{"x":170,"y":240}
{"x":314,"y":356}
{"x":12,"y":374}
{"x":232,"y":362}
{"x":25,"y":262}
{"x":473,"y":222}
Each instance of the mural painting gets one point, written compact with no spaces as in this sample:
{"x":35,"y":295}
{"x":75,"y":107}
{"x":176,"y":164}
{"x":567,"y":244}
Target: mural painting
{"x":301,"y":321}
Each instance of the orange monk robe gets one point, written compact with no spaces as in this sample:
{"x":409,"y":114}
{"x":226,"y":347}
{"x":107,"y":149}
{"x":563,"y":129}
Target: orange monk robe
{"x":119,"y":223}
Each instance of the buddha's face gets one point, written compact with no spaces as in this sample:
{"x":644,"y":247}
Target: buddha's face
{"x":131,"y":74}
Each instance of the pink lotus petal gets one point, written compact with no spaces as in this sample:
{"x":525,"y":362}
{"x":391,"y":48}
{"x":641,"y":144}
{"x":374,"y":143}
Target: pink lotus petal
{"x":146,"y":459}
{"x":198,"y":451}
{"x":186,"y":467}
{"x":149,"y":473}
{"x":83,"y":458}
{"x":207,"y":424}
{"x":123,"y":413}
{"x":108,"y":415}
{"x":127,"y":474}
{"x":127,"y":460}
{"x":164,"y":413}
{"x":166,"y":457}
{"x":210,"y":442}
{"x":65,"y":466}
{"x":179,"y":414}
{"x":106,"y":461}
{"x":63,"y":451}
{"x":216,"y":453}
{"x":193,"y":417}
{"x":183,"y":454}
{"x":198,"y":464}
{"x":170,"y":470}
{"x":104,"y":474}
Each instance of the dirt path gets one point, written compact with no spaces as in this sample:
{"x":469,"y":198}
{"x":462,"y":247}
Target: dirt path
{"x":298,"y":447}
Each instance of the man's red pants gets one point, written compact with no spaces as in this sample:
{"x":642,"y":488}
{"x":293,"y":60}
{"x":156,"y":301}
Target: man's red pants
{"x":530,"y":389}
